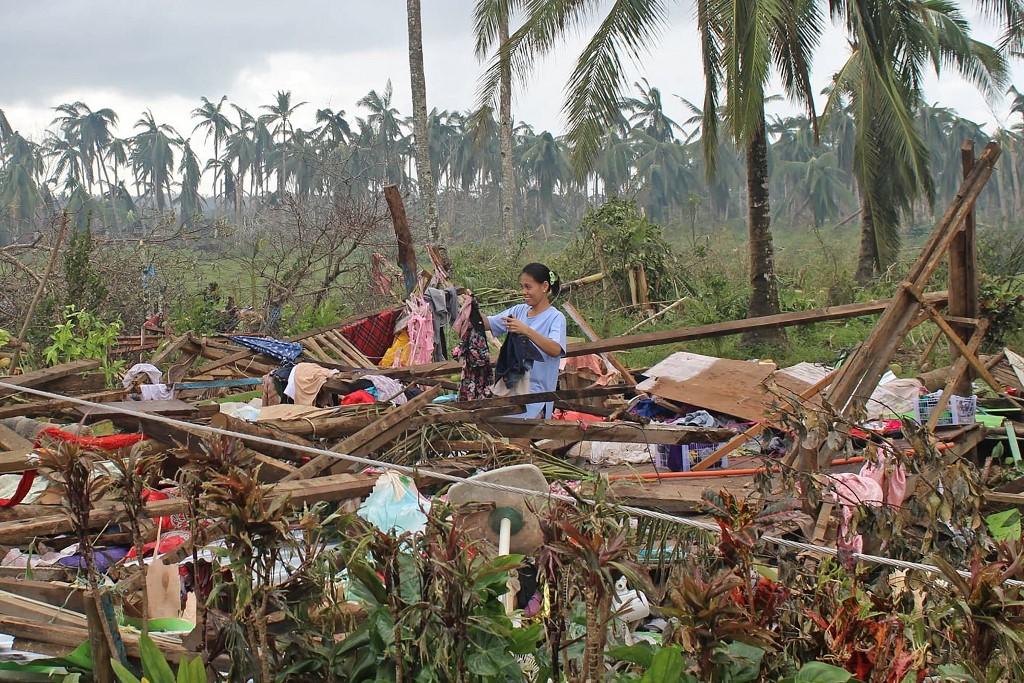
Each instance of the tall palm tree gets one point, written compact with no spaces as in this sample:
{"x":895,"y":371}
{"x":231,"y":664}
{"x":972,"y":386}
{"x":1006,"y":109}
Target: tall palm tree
{"x":648,"y":112}
{"x":333,"y":126}
{"x":891,"y":44}
{"x":20,"y":180}
{"x":421,"y":131}
{"x":385,"y":122}
{"x":153,"y":156}
{"x":216,"y":123}
{"x":92,"y":131}
{"x":189,"y":199}
{"x":280,"y":114}
{"x":491,"y":22}
{"x":545,"y":162}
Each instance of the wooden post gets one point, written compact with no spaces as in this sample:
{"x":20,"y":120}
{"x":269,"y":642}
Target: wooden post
{"x":963,"y":279}
{"x":406,"y":252}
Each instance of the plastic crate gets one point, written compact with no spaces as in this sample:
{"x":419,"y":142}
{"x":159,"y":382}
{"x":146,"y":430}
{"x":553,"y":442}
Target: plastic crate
{"x":682,"y":458}
{"x":960,"y":411}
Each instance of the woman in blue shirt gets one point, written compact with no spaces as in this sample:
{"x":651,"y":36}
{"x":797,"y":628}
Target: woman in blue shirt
{"x":541,"y":323}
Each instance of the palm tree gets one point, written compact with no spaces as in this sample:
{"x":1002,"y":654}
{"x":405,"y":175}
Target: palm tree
{"x":491,"y":22}
{"x":386,"y":125}
{"x":20,"y":176}
{"x":421,"y":131}
{"x":91,"y":130}
{"x":189,"y":199}
{"x":545,"y":162}
{"x":216,"y":123}
{"x":890,"y":47}
{"x":823,"y":186}
{"x":333,"y":126}
{"x":649,"y":114}
{"x":280,"y":113}
{"x":153,"y":156}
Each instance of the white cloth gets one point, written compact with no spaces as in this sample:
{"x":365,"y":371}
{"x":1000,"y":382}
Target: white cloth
{"x":156,"y":392}
{"x":387,"y":388}
{"x":148,"y":369}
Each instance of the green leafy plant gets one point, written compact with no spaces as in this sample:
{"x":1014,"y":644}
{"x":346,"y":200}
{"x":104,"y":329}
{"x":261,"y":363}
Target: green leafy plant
{"x":155,"y":668}
{"x":82,"y":335}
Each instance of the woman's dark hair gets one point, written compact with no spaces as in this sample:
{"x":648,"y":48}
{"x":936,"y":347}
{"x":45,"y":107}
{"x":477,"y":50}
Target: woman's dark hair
{"x":541,"y":273}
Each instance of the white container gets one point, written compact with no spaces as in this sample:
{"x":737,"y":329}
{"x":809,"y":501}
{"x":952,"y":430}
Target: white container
{"x":960,"y":411}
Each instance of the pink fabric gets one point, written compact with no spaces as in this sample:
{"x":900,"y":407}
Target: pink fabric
{"x":421,"y":332}
{"x":461,"y":323}
{"x":593,"y":363}
{"x":884,"y":483}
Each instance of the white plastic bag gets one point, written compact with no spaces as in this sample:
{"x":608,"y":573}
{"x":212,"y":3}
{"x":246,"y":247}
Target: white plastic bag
{"x":395,"y":504}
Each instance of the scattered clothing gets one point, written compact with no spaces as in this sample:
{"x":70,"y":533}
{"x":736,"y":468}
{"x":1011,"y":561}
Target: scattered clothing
{"x":699,"y":418}
{"x":544,"y":372}
{"x":444,"y":304}
{"x":305,"y":382}
{"x":609,"y":453}
{"x":168,"y":542}
{"x":372,"y":335}
{"x":103,"y":559}
{"x":420,"y":327}
{"x":648,"y":408}
{"x":277,"y":349}
{"x":271,"y":396}
{"x":358,"y":397}
{"x":593,"y":367}
{"x":884,"y":483}
{"x":112,"y":442}
{"x":474,"y":354}
{"x":388,"y":389}
{"x":151,"y":371}
{"x":156,"y":392}
{"x":397,"y":355}
{"x":515,"y":360}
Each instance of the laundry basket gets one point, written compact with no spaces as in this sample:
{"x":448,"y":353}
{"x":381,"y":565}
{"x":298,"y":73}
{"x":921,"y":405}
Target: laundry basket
{"x":960,"y":411}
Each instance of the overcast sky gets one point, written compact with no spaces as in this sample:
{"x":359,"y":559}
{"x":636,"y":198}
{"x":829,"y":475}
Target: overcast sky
{"x":131,"y":55}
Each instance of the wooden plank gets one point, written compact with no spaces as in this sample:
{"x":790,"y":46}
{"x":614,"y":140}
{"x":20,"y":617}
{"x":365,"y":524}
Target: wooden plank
{"x":58,"y":594}
{"x":963,"y":276}
{"x":16,"y":460}
{"x":224,"y":421}
{"x":318,"y":351}
{"x":71,"y":637}
{"x":330,"y":488}
{"x":11,"y":440}
{"x":170,"y":349}
{"x":172,"y":408}
{"x":610,"y":357}
{"x":52,"y":407}
{"x":364,"y":439}
{"x":357,"y":355}
{"x":622,"y":432}
{"x":722,"y":329}
{"x":38,"y":378}
{"x":964,"y":350}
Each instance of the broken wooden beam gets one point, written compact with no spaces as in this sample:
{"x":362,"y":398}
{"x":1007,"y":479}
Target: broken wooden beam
{"x":388,"y":426}
{"x":610,"y":357}
{"x":622,"y":432}
{"x":42,"y":377}
{"x":51,"y":407}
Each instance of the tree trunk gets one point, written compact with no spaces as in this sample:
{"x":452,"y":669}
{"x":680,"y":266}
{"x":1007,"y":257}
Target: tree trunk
{"x":419,"y":120}
{"x":764,"y":295}
{"x":508,"y":173}
{"x":868,"y":258}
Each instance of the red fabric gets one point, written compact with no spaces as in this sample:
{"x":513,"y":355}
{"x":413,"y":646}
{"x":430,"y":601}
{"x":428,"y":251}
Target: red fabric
{"x":167,"y":544}
{"x":372,"y":335}
{"x":358,"y":397}
{"x":24,"y":486}
{"x":889,"y":427}
{"x":106,"y":443}
{"x":572,"y":415}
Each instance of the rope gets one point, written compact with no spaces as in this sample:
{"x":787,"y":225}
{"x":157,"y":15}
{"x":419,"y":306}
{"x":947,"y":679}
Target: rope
{"x":413,"y":471}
